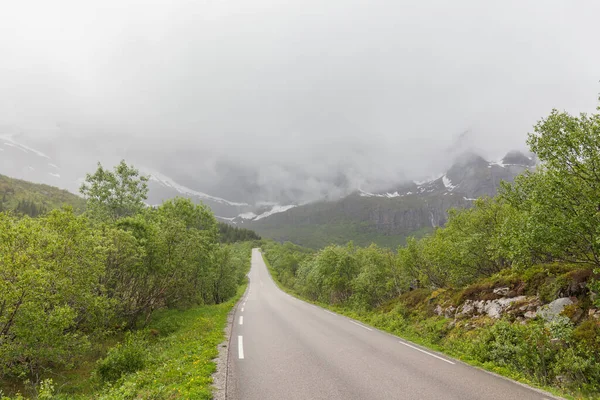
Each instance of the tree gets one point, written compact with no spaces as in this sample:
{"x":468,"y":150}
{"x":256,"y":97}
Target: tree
{"x":50,"y":292}
{"x":562,"y":199}
{"x":377,"y":281}
{"x":115,"y":194}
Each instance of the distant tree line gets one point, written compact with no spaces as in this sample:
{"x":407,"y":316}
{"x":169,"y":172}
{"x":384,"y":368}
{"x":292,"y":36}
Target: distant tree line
{"x":231,"y":234}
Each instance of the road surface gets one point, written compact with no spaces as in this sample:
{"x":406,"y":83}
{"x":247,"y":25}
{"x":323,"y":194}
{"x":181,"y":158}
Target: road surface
{"x":284,"y":348}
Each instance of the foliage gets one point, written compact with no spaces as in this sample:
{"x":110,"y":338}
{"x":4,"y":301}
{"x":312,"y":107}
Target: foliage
{"x":50,"y":291}
{"x":125,"y":358}
{"x":67,"y":280}
{"x":231,"y":234}
{"x":560,"y":200}
{"x":114,"y":194}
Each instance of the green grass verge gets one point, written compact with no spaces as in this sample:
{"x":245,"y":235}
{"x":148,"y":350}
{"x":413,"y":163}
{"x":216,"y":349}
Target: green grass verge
{"x":181,"y":364}
{"x":179,"y":347}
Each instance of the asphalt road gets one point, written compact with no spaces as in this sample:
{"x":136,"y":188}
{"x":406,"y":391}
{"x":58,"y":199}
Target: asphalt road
{"x":284,"y":348}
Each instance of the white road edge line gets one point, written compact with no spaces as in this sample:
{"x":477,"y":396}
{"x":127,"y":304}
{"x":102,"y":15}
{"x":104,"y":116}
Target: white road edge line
{"x":362,"y":326}
{"x":241,"y":320}
{"x":426,"y":352}
{"x":241,"y":347}
{"x":242,"y":309}
{"x":329,"y":312}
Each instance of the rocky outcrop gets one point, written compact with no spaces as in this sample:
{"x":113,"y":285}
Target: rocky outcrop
{"x":521,"y":307}
{"x":492,"y":308}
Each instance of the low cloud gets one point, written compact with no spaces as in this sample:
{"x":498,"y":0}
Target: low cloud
{"x":296,"y":99}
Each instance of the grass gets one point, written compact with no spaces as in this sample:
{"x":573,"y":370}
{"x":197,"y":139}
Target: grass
{"x":181,"y":363}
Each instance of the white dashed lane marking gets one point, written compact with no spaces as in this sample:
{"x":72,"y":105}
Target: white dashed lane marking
{"x":241,"y":347}
{"x":426,"y":352}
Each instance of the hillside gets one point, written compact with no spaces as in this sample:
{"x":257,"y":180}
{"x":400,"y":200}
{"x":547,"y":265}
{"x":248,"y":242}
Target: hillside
{"x":389,"y":217}
{"x":16,"y":194}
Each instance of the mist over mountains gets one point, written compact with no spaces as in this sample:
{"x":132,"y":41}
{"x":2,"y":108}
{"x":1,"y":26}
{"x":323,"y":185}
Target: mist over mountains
{"x":64,"y":161}
{"x":342,"y":209}
{"x":266,"y":102}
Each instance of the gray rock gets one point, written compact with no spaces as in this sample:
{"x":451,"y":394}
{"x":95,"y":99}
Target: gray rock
{"x":551,"y":310}
{"x":450,"y":312}
{"x":530,"y":314}
{"x":438,"y":310}
{"x":495,"y":308}
{"x":503,"y":291}
{"x":480,"y":306}
{"x":467,"y":310}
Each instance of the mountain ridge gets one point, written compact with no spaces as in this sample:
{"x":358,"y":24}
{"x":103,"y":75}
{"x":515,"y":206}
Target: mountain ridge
{"x":389,"y":217}
{"x":386,"y":216}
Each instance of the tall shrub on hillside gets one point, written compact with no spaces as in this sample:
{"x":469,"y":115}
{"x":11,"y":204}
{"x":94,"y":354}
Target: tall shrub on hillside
{"x":114,"y":194}
{"x":561,"y":199}
{"x":50,"y":292}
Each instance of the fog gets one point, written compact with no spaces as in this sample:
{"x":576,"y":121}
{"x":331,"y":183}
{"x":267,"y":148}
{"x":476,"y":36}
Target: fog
{"x":306,"y":98}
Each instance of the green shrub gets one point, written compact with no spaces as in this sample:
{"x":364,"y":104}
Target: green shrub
{"x":125,"y":358}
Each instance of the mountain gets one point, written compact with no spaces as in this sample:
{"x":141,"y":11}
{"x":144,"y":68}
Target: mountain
{"x":34,"y":198}
{"x":343,"y":212}
{"x":162,"y":187}
{"x":389,"y":217}
{"x":24,"y":162}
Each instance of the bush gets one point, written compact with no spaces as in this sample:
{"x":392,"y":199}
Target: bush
{"x":125,"y":358}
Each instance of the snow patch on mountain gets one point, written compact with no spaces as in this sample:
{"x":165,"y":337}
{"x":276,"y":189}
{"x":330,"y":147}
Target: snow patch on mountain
{"x":251,"y":216}
{"x":388,"y":195}
{"x":275,"y":210}
{"x":247,"y":215}
{"x":8,"y":141}
{"x":168,"y":182}
{"x":15,"y":146}
{"x":448,"y":183}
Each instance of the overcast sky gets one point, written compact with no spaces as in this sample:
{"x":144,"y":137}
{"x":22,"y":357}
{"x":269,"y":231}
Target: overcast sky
{"x":378,"y":88}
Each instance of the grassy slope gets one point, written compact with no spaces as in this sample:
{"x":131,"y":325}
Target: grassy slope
{"x":429,"y":331}
{"x":14,"y":190}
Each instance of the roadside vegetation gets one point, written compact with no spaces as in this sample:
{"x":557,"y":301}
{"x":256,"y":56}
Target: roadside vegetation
{"x":121,"y":301}
{"x":510,"y":284}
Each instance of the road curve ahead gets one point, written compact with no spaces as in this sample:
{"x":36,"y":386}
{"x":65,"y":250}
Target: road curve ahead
{"x":284,"y":348}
